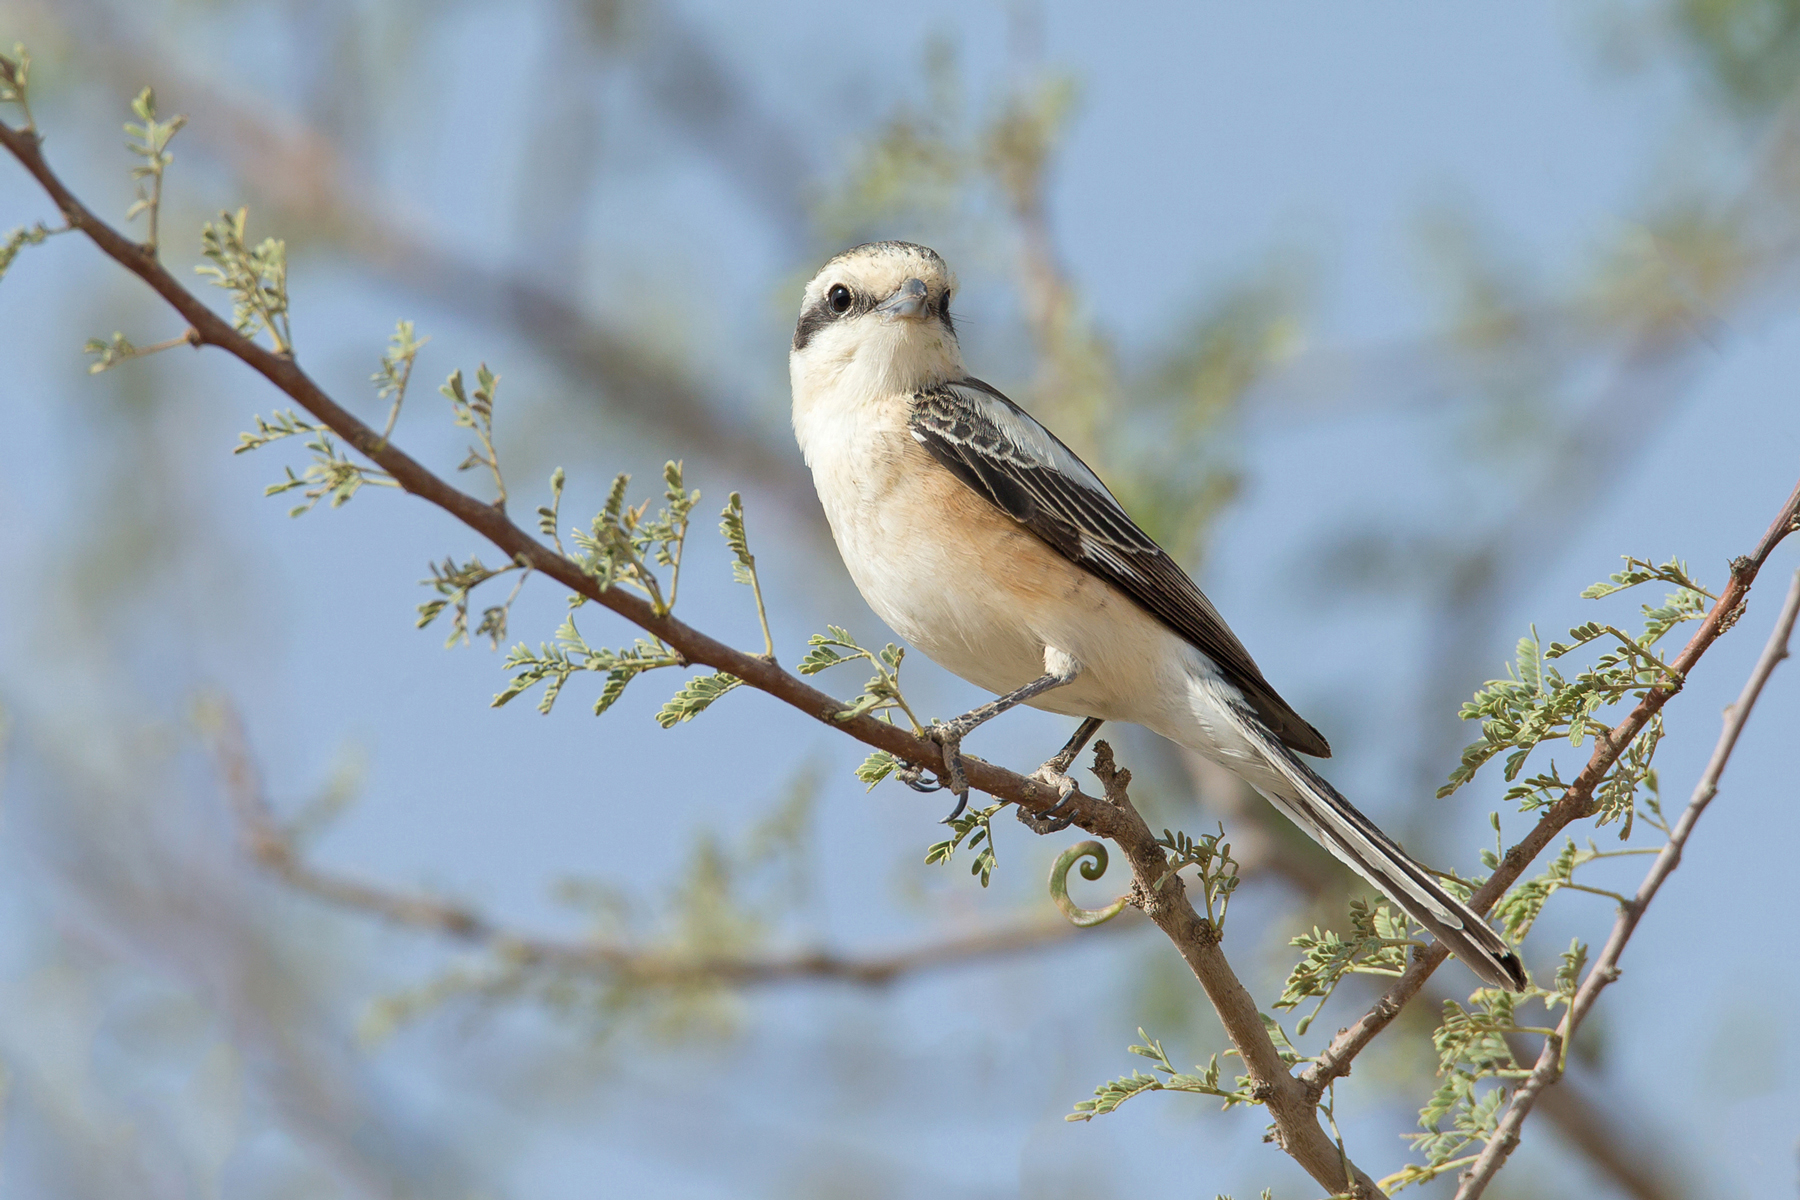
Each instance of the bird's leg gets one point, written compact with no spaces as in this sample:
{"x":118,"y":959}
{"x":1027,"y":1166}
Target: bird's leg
{"x":1077,"y":742}
{"x":1056,"y":774}
{"x":949,"y":734}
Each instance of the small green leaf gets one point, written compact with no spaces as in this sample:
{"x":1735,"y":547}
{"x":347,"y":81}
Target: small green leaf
{"x":1568,"y":973}
{"x":695,"y":697}
{"x":877,"y":767}
{"x":20,"y":238}
{"x":818,"y":658}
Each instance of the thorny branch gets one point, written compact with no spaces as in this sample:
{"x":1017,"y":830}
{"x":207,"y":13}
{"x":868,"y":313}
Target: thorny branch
{"x":1164,"y":900}
{"x":1605,"y":970}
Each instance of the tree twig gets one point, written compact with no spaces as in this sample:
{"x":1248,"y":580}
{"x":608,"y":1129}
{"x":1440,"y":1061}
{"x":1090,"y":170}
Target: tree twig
{"x":1549,"y":1067}
{"x":1601,"y":1126}
{"x":1616,"y":1139}
{"x":1291,"y":1104}
{"x":1575,"y":803}
{"x":303,"y":175}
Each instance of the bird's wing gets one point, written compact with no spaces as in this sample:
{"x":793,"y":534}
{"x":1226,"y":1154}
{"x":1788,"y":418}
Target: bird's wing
{"x":999,"y":450}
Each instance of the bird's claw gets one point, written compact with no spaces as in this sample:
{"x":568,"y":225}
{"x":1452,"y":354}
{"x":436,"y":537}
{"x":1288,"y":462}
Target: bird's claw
{"x":1057,"y":816}
{"x":949,"y":735}
{"x":913,"y":776}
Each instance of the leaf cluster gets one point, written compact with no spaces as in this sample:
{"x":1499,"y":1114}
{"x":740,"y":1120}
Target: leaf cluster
{"x":110,"y":352}
{"x":554,"y":663}
{"x":1218,"y":871}
{"x":331,"y":473}
{"x":454,"y":582}
{"x":474,"y":411}
{"x":623,"y":542}
{"x":15,"y":81}
{"x":1474,"y":1061}
{"x":1163,"y":1077}
{"x":880,"y":695}
{"x":1379,"y":939}
{"x":255,"y":276}
{"x":1616,"y":795}
{"x":150,"y":142}
{"x":395,"y":372}
{"x":743,"y":563}
{"x":877,"y":767}
{"x":1518,"y":910}
{"x":23,"y":236}
{"x":1536,"y":703}
{"x":695,"y":696}
{"x":976,"y":827}
{"x":1477,"y":1066}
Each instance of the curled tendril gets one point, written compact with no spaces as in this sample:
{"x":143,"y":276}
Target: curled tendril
{"x":1059,"y":885}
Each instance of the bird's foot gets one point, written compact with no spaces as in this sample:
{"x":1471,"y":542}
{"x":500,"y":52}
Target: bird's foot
{"x":913,"y":776}
{"x":1057,"y":816}
{"x":949,"y":735}
{"x":1056,"y":774}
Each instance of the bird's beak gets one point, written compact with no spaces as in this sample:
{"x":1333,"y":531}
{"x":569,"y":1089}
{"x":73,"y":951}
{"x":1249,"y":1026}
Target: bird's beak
{"x":908,"y":301}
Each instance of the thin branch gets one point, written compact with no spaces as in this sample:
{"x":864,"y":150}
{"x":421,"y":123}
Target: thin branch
{"x":1290,"y":1102}
{"x":1605,"y":970}
{"x":1615,"y":1139}
{"x":1576,"y":803}
{"x":1293,"y":1107}
{"x":1602,"y":1127}
{"x":275,"y":847}
{"x":301,"y":173}
{"x":1657,"y":361}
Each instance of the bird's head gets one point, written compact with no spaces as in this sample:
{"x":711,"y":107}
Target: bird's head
{"x":876,"y":319}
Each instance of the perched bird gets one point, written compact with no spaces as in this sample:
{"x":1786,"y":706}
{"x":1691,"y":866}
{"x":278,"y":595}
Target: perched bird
{"x":986,"y":543}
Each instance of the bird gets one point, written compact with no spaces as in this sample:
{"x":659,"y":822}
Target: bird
{"x":985,"y":542}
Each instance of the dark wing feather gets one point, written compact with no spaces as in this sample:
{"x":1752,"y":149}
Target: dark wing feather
{"x":1000,"y":451}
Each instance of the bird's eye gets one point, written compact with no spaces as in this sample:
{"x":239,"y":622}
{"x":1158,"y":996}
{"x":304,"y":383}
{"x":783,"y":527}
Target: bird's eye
{"x":839,"y":298}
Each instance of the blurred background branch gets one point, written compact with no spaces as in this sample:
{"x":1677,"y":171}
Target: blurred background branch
{"x":674,"y":966}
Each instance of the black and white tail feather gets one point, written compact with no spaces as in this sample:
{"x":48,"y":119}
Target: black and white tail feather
{"x":1332,"y":821}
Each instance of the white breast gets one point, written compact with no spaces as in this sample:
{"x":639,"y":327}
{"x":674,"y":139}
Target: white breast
{"x":884,"y":499}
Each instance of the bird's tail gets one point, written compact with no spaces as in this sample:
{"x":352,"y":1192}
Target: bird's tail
{"x":1332,"y":821}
